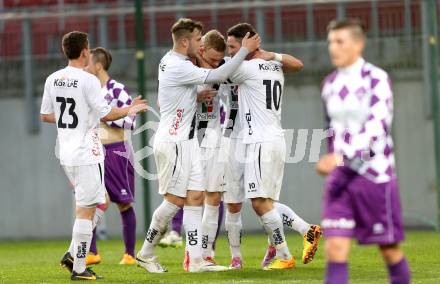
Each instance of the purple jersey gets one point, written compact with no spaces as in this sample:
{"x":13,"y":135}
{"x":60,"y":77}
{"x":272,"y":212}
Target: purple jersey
{"x":117,"y":96}
{"x":359,"y":103}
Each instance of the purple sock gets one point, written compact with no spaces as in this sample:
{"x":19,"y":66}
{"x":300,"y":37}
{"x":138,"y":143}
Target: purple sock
{"x":336,"y":273}
{"x":399,"y":273}
{"x":129,"y":230}
{"x":176,"y":223}
{"x":93,"y":248}
{"x":220,"y":220}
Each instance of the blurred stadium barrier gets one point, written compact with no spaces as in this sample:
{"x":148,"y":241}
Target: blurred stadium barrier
{"x":394,"y":29}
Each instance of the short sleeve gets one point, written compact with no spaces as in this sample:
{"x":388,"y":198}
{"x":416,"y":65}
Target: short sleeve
{"x":46,"y":103}
{"x":187,"y":73}
{"x":241,"y":74}
{"x":92,"y":93}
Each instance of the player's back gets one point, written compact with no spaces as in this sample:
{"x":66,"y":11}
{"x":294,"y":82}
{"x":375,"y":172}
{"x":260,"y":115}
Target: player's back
{"x":71,"y":91}
{"x":178,"y":80}
{"x":260,"y":94}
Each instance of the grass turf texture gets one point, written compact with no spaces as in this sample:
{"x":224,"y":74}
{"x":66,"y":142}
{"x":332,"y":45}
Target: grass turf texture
{"x":38,"y":262}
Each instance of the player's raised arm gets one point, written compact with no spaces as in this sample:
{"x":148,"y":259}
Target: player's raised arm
{"x":221,"y":74}
{"x":290,"y":63}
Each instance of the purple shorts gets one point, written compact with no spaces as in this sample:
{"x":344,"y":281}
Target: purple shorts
{"x":356,"y":207}
{"x":119,"y":173}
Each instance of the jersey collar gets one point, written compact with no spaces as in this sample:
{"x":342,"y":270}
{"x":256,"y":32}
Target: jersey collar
{"x":353,"y":68}
{"x":180,"y":55}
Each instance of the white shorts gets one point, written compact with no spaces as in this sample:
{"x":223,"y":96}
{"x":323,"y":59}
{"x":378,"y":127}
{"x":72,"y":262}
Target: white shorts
{"x":179,"y":167}
{"x":264,"y":170}
{"x":88,"y":184}
{"x":234,"y":170}
{"x":214,"y":169}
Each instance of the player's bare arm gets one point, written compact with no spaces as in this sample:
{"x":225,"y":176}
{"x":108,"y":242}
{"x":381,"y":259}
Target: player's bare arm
{"x":290,"y":63}
{"x":138,"y":105}
{"x":328,"y":163}
{"x":49,"y":118}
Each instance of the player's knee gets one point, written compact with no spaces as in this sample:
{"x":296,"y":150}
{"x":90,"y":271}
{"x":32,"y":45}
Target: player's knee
{"x":85,"y":212}
{"x":337,"y":249}
{"x":213,"y":198}
{"x":194,"y":198}
{"x":261,"y":205}
{"x":124,"y":206}
{"x":176,"y":200}
{"x":234,"y":207}
{"x":391,"y":253}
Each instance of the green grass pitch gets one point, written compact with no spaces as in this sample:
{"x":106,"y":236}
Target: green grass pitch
{"x":38,"y":262}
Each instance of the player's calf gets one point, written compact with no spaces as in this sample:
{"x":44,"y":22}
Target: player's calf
{"x":398,"y":268}
{"x":210,"y":223}
{"x":233,"y":226}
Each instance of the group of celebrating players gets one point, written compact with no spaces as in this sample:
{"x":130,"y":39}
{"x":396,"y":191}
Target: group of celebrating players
{"x":220,"y":141}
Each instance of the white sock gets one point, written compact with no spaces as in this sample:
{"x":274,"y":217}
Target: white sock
{"x":274,"y":227}
{"x":269,"y":236}
{"x":291,"y":219}
{"x":233,"y":227}
{"x":99,"y":214}
{"x":82,"y":237}
{"x":70,"y":250}
{"x":159,"y":223}
{"x":209,"y":229}
{"x":192,"y":223}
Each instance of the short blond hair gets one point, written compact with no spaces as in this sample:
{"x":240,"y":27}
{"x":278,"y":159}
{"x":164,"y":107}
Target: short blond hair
{"x":214,"y":39}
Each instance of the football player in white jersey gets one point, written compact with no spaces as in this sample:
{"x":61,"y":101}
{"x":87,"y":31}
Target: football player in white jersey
{"x":72,"y":100}
{"x":177,"y":154}
{"x":209,"y":132}
{"x":259,"y":92}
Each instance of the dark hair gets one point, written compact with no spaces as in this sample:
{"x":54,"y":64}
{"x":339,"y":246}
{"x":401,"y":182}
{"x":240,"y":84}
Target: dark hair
{"x":102,"y":56}
{"x":184,"y":27}
{"x":74,"y":43}
{"x":355,"y":25}
{"x":239,"y":30}
{"x":214,"y":39}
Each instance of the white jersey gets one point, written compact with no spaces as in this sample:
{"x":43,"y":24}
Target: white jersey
{"x":232,"y":124}
{"x":209,"y":130}
{"x":178,"y":80}
{"x":260,"y":89}
{"x":75,"y":97}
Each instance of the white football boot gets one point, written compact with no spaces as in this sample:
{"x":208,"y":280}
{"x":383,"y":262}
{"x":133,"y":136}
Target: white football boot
{"x":151,"y":264}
